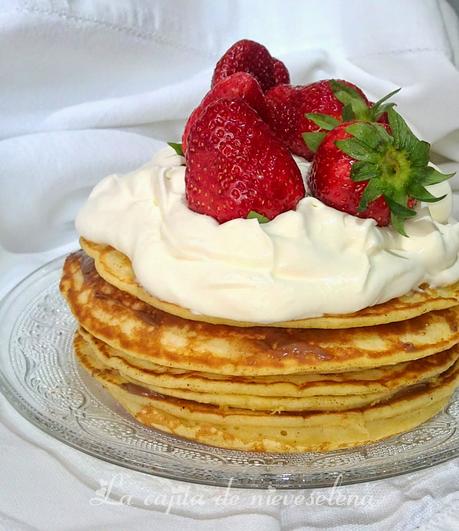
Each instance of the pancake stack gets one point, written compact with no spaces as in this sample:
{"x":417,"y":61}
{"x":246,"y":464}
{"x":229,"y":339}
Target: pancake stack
{"x":309,"y":385}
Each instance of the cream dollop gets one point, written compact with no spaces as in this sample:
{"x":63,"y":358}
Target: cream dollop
{"x":305,"y":263}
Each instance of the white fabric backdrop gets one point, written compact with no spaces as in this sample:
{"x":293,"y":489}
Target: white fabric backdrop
{"x":90,"y":87}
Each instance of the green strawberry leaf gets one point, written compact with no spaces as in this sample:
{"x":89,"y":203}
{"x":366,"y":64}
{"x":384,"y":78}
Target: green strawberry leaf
{"x":347,"y":113}
{"x":420,"y":153}
{"x":177,"y":148}
{"x":324,"y":121}
{"x":383,"y":133}
{"x":375,"y":114}
{"x":380,"y":107}
{"x":404,"y":138}
{"x":358,"y":150}
{"x":364,"y":171}
{"x":428,"y":176}
{"x":255,"y":215}
{"x":349,"y":96}
{"x":372,"y":191}
{"x":399,"y":210}
{"x":367,"y":133}
{"x":386,"y":97}
{"x":398,"y":215}
{"x":398,"y":224}
{"x":419,"y":192}
{"x":313,"y":140}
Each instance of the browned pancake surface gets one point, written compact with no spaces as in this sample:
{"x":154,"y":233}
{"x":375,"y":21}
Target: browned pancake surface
{"x":132,"y":325}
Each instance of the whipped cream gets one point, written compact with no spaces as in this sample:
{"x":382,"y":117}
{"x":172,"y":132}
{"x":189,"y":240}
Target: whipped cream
{"x":308,"y":262}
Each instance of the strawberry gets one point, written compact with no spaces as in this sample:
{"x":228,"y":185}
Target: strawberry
{"x":374,"y":171}
{"x":239,"y":85}
{"x":236,"y":168}
{"x":294,"y":110}
{"x":281,"y":74}
{"x":253,"y":58}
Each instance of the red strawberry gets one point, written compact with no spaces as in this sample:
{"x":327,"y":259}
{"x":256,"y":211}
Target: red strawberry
{"x":287,"y":106}
{"x":253,"y":58}
{"x":281,"y":74}
{"x":330,"y":180}
{"x":239,"y":85}
{"x":236,"y":166}
{"x":362,"y":169}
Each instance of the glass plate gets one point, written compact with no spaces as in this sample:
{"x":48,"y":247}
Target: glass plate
{"x":39,"y":376}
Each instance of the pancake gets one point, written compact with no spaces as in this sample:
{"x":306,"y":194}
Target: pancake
{"x":116,"y":269}
{"x":293,"y":431}
{"x":322,"y":392}
{"x":145,"y":332}
{"x":246,"y":401}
